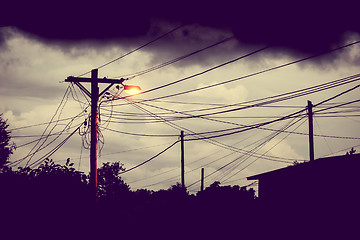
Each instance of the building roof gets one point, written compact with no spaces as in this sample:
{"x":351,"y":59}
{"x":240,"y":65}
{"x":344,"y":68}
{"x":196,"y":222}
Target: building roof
{"x":345,"y":164}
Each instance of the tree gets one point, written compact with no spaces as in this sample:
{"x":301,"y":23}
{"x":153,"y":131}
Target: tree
{"x":351,"y":152}
{"x":110,"y":184}
{"x":44,"y":198}
{"x":6,"y":147}
{"x":53,"y":183}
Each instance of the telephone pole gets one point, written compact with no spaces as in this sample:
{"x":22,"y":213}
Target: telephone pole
{"x":94,"y":95}
{"x":182,"y":160}
{"x":202,"y":180}
{"x":311,"y":131}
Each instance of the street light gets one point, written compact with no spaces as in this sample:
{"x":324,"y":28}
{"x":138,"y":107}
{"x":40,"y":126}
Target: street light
{"x":132,"y":90}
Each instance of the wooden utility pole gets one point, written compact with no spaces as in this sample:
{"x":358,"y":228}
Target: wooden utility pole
{"x":94,"y":129}
{"x":202,"y":180}
{"x":182,"y":159}
{"x":311,"y":131}
{"x":94,"y":95}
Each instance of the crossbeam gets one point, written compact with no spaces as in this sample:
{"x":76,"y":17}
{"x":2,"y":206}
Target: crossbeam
{"x":99,"y":80}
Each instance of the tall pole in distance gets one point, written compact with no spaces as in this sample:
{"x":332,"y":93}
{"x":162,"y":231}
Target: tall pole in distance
{"x":202,"y":180}
{"x":94,"y":130}
{"x":311,"y":131}
{"x":182,"y":160}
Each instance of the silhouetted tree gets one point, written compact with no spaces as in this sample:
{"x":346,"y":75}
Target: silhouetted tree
{"x":225,"y":199}
{"x":6,"y":147}
{"x":351,"y":152}
{"x":53,"y":183}
{"x":44,"y":199}
{"x":110,"y":184}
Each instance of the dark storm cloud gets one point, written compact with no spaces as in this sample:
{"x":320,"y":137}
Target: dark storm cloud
{"x":291,"y":26}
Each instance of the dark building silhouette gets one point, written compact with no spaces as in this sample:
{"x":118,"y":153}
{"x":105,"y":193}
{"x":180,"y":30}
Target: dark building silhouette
{"x":314,"y":199}
{"x":322,"y":181}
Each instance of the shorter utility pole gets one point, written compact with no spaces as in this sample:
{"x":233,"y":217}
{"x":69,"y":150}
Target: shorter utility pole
{"x":311,"y":131}
{"x":202,"y":180}
{"x":182,"y":159}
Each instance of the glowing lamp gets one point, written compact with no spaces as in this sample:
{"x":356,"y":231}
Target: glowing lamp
{"x":132,"y":90}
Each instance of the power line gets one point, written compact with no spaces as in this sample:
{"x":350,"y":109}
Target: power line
{"x":250,"y":154}
{"x":239,"y":78}
{"x":140,"y":134}
{"x":43,"y":158}
{"x":251,"y":126}
{"x":191,"y":163}
{"x":331,"y":98}
{"x":285,"y":96}
{"x":200,"y":73}
{"x":338,"y":95}
{"x":268,"y":149}
{"x":59,"y":109}
{"x":296,"y":93}
{"x":136,"y":49}
{"x":339,"y":105}
{"x":133,"y":75}
{"x":130,"y":169}
{"x":40,"y":124}
{"x":207,"y":139}
{"x":41,"y":137}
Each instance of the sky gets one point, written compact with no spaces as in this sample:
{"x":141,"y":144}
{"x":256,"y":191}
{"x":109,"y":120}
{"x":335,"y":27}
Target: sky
{"x":235,"y":53}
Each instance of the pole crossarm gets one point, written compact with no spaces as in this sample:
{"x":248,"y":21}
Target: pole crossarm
{"x":100,"y":80}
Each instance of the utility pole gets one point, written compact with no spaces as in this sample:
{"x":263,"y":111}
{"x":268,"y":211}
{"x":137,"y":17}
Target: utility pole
{"x":94,"y":129}
{"x":182,"y":160}
{"x":202,"y":180}
{"x":94,"y":95}
{"x":311,"y":131}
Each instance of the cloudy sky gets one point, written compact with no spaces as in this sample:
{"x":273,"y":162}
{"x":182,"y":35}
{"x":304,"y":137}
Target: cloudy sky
{"x":199,"y":65}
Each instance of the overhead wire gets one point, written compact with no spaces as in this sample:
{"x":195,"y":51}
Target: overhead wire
{"x":49,"y":154}
{"x":136,"y":74}
{"x":290,"y":115}
{"x":296,"y":93}
{"x":136,"y":49}
{"x":322,"y":102}
{"x":256,"y":159}
{"x":207,"y":139}
{"x":325,"y":140}
{"x":286,"y":96}
{"x":239,"y":78}
{"x":158,"y":154}
{"x":110,"y":62}
{"x":200,"y":73}
{"x":40,"y":137}
{"x":188,"y":164}
{"x":177,"y":127}
{"x":59,"y":109}
{"x":264,"y":143}
{"x":250,"y":154}
{"x":31,"y":154}
{"x":271,"y":136}
{"x":281,"y":97}
{"x":41,"y":124}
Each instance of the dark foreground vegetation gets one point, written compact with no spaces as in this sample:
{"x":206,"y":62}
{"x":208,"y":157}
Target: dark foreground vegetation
{"x":54,"y":200}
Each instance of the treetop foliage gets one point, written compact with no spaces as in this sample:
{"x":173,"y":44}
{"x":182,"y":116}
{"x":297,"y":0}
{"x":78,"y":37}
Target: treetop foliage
{"x":6,"y":147}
